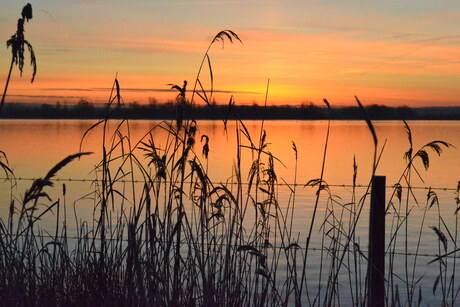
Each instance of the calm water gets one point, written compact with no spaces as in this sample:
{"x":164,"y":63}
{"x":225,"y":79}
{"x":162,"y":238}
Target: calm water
{"x":33,"y":147}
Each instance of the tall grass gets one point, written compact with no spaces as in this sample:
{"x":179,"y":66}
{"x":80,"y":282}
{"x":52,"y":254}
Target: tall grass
{"x":179,"y":238}
{"x":17,"y":42}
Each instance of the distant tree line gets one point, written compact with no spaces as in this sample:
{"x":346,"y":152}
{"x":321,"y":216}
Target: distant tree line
{"x":153,"y":110}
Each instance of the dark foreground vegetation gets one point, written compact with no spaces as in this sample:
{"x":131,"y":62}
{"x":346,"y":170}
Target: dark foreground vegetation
{"x":176,"y":238}
{"x":86,"y":110}
{"x":163,"y":234}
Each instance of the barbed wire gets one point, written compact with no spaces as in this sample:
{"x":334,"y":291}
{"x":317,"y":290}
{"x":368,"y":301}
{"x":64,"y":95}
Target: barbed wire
{"x":244,"y":183}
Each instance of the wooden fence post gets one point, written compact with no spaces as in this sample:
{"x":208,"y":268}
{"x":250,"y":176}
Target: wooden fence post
{"x":376,"y":268}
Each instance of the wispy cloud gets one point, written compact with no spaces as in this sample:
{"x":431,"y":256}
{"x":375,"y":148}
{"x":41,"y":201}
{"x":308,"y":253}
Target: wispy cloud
{"x":143,"y":90}
{"x":45,"y":96}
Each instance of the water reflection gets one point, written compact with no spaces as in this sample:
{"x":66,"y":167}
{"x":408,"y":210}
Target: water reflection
{"x":33,"y":146}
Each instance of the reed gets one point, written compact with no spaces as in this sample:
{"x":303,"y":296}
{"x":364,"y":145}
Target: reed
{"x":17,"y":42}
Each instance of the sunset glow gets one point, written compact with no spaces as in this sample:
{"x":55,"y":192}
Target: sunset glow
{"x":393,"y":53}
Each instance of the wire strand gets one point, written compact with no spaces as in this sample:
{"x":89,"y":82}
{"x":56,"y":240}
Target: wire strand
{"x":245,"y":183}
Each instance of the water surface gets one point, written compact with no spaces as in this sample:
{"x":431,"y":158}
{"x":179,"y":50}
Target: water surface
{"x":34,"y":146}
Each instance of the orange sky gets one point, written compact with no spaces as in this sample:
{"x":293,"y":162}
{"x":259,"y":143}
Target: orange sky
{"x":387,"y":53}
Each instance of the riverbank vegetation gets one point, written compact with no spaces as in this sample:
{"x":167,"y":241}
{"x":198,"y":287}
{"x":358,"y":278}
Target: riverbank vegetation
{"x":158,"y":111}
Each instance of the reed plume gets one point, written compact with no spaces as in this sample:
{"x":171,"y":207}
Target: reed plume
{"x":17,"y":42}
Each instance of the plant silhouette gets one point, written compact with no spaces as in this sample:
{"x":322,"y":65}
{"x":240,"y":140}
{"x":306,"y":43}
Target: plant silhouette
{"x":181,"y":101}
{"x":17,"y":42}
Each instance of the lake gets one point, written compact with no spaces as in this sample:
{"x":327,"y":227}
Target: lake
{"x":33,"y":147}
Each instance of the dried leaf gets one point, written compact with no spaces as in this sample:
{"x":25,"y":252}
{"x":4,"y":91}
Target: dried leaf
{"x":435,"y":285}
{"x":262,"y":272}
{"x":441,"y":236}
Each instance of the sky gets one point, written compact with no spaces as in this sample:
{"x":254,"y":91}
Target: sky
{"x":385,"y":52}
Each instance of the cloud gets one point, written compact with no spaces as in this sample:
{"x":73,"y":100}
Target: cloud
{"x":142,"y":90}
{"x":44,"y":96}
{"x":354,"y":71}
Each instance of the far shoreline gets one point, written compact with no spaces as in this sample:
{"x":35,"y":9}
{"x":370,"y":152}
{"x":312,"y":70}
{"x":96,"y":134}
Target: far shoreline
{"x":87,"y":111}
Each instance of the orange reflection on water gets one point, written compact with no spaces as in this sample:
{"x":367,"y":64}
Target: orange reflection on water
{"x":35,"y":146}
